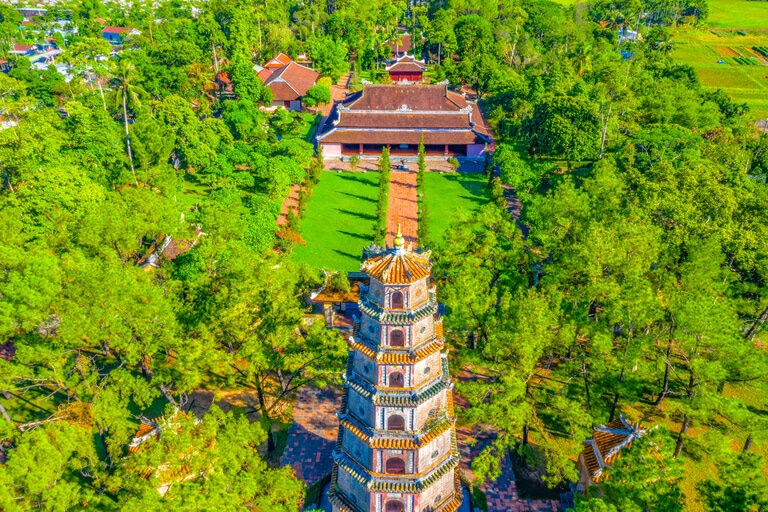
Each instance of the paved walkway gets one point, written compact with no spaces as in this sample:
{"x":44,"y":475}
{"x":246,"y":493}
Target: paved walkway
{"x":312,"y":436}
{"x":403,"y":206}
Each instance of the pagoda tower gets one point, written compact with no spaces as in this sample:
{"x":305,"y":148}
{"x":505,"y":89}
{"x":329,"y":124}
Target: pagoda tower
{"x":396,"y":450}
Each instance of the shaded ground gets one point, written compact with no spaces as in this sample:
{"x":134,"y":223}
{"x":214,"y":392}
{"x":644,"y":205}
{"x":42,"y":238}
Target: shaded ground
{"x":370,"y":163}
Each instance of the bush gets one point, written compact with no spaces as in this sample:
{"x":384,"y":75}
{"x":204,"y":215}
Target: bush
{"x":354,"y":161}
{"x":454,"y":162}
{"x":339,"y":282}
{"x":317,"y":95}
{"x":380,"y":226}
{"x":422,"y":163}
{"x":423,"y":229}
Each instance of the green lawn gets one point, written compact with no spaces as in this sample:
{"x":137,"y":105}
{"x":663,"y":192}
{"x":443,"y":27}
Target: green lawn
{"x":339,"y":220}
{"x":445,"y":193}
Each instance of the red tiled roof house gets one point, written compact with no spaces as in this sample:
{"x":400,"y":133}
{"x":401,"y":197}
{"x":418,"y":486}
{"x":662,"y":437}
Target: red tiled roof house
{"x":396,"y":116}
{"x":117,"y":35}
{"x":288,"y":81}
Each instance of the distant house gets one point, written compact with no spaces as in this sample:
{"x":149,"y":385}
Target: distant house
{"x":32,"y":12}
{"x":7,"y":350}
{"x":24,"y":50}
{"x":4,"y":66}
{"x":117,"y":35}
{"x":288,"y":81}
{"x":222,"y":86}
{"x":602,"y":449}
{"x":406,"y":69}
{"x":626,"y":34}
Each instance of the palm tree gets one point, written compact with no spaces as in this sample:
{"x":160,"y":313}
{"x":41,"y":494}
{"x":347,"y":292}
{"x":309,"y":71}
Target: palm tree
{"x":127,"y":92}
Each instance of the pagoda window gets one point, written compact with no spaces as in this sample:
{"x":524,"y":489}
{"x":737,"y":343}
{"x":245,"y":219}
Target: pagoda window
{"x":396,"y":338}
{"x":395,"y":506}
{"x":396,"y":466}
{"x":396,"y":380}
{"x":398,"y":300}
{"x":395,"y":422}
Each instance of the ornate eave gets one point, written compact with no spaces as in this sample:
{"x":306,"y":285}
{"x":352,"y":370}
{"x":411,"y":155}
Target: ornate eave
{"x":385,"y":439}
{"x":412,"y":398}
{"x":400,"y":317}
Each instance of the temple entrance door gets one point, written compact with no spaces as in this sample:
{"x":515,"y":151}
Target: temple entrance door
{"x":396,"y":466}
{"x":395,"y":422}
{"x":395,"y":506}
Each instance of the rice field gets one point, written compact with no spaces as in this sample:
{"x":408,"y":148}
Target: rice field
{"x":731,"y":61}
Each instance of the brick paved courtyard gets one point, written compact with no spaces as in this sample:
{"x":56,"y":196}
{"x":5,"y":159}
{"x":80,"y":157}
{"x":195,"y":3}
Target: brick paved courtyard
{"x":312,"y":436}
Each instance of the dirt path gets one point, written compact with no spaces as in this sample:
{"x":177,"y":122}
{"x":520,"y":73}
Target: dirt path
{"x":403,"y":206}
{"x":291,"y":203}
{"x":515,"y":208}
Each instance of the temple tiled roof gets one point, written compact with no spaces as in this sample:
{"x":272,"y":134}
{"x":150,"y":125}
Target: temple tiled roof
{"x":606,"y":443}
{"x":407,"y":64}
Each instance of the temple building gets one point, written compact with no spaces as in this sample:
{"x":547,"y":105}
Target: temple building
{"x":406,"y":69}
{"x":396,"y":449}
{"x":396,"y":116}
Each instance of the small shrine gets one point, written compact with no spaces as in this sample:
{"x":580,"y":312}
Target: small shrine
{"x":603,"y":448}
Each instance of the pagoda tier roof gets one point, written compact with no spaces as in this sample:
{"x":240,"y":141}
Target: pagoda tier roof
{"x":399,"y":483}
{"x":397,"y":399}
{"x":398,"y":316}
{"x":387,"y":440}
{"x":344,"y":505}
{"x":406,"y":357}
{"x":398,"y":265}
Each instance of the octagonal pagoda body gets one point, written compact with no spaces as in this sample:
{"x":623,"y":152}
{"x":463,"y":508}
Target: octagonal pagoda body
{"x":396,"y":450}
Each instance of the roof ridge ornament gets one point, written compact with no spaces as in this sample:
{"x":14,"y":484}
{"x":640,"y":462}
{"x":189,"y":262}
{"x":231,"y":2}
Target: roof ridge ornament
{"x":399,"y":241}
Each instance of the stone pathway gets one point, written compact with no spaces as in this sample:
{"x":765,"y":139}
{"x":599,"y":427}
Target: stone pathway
{"x":403,"y":206}
{"x":312,"y":436}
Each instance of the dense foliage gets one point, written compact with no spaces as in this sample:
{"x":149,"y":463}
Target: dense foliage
{"x":639,"y":287}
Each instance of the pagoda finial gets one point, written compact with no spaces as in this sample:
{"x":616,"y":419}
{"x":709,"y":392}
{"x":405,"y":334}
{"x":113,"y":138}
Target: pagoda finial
{"x":399,"y":241}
